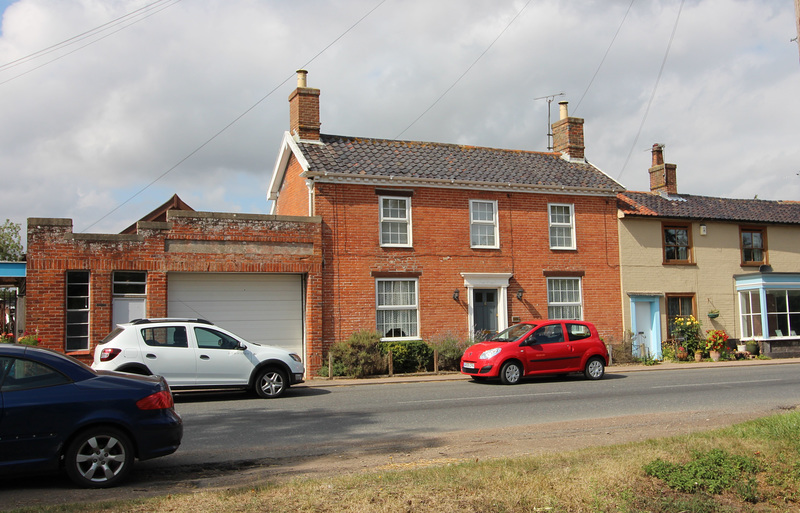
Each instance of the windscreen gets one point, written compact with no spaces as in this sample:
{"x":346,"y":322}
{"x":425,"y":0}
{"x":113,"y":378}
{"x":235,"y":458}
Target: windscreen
{"x":513,"y":333}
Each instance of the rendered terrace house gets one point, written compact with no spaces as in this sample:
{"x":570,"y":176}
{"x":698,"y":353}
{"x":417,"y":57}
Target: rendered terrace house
{"x":422,"y":239}
{"x":732,"y":263}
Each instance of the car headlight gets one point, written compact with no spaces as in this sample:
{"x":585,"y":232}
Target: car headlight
{"x":489,"y":353}
{"x":295,"y":357}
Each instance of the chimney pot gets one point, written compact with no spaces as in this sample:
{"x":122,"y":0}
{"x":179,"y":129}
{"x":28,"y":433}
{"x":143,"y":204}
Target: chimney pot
{"x":302,"y":78}
{"x":658,"y":154}
{"x":562,"y":109}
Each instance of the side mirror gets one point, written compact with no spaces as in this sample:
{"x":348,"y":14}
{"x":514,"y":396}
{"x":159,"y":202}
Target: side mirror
{"x":241,"y":346}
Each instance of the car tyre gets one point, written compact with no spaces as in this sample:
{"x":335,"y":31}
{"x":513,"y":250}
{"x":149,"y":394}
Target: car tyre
{"x":510,"y":373}
{"x":99,"y":457}
{"x":595,"y":368}
{"x":271,"y":383}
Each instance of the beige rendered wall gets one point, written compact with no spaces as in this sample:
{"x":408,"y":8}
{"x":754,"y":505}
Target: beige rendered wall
{"x":717,"y":259}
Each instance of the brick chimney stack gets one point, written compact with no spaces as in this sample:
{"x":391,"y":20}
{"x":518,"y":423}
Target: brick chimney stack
{"x":304,"y":110}
{"x":568,"y":135}
{"x":663,"y":177}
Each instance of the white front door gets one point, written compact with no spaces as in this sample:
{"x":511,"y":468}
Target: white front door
{"x":126,"y":309}
{"x":642,"y":330}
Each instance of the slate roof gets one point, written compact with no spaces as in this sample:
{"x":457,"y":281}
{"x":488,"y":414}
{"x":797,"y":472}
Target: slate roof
{"x":366,"y":157}
{"x":686,"y":206}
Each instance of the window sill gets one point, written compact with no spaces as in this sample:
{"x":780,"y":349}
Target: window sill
{"x":678,"y":262}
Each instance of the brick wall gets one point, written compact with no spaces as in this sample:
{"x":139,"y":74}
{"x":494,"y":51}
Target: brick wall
{"x":293,"y":194}
{"x":189,"y":242}
{"x":441,"y":251}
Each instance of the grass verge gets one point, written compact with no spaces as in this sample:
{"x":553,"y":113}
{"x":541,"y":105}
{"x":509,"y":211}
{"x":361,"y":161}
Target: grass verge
{"x":749,"y":467}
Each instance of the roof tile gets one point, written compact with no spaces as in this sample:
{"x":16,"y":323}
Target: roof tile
{"x":686,"y":206}
{"x":407,"y":159}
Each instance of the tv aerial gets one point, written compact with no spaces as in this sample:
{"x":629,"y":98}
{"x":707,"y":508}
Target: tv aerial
{"x":549,"y":99}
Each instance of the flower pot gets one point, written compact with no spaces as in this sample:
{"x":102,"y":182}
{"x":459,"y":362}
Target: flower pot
{"x":714,"y":355}
{"x":752,"y":347}
{"x":698,"y":356}
{"x":682,"y":354}
{"x":713,"y":315}
{"x":741,"y":348}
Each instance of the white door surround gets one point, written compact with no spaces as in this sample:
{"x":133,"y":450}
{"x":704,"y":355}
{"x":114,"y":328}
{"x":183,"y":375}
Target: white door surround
{"x":497,"y":281}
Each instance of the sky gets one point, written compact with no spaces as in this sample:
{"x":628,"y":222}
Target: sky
{"x":109,"y":107}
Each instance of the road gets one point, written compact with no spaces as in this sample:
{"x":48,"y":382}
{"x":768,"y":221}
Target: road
{"x":231,"y":438}
{"x":313,"y":419}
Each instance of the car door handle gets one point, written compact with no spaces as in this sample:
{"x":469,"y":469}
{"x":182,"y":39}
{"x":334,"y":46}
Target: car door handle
{"x":150,"y":355}
{"x":205,"y":357}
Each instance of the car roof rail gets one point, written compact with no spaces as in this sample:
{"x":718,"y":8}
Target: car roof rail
{"x":170,"y":319}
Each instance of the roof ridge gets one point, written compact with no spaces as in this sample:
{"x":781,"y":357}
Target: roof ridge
{"x":682,"y":195}
{"x":434,"y":143}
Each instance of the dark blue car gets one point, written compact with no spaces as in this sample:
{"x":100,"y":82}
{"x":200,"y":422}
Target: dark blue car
{"x":56,"y":412}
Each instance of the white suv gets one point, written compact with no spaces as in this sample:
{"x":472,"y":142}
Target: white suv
{"x":194,"y":353}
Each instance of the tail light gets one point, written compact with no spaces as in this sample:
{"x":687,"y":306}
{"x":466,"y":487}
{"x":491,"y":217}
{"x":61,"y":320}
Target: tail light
{"x":109,"y":353}
{"x":158,"y":401}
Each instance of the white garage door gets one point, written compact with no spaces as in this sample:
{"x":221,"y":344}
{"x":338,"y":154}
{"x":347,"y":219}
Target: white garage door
{"x":261,"y":308}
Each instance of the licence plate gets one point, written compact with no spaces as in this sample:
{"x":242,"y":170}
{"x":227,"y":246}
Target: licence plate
{"x":469,"y":365}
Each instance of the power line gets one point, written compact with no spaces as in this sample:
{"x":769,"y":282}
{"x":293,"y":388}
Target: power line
{"x":465,"y":72}
{"x":80,"y":36}
{"x":655,"y":88}
{"x":604,"y":56}
{"x":62,"y":45}
{"x":235,"y":120}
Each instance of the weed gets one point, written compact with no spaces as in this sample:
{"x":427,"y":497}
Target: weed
{"x":714,"y":472}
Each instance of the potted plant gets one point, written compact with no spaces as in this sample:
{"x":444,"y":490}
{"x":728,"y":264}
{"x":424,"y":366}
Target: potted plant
{"x":713,"y":314}
{"x":29,"y":339}
{"x":687,"y":329}
{"x":715,"y":341}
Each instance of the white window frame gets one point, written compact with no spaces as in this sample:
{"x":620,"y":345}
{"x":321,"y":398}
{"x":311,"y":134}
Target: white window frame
{"x":553,"y":225}
{"x":750,"y":315}
{"x":406,"y":220}
{"x":473,"y":223}
{"x":409,"y":307}
{"x":72,"y":299}
{"x":562,"y":304}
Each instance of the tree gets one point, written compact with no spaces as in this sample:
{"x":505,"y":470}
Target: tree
{"x":10,"y":242}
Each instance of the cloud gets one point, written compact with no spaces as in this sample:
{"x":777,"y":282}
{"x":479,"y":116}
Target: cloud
{"x":88,"y":131}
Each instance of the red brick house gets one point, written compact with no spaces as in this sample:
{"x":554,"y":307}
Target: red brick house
{"x":421,"y":239}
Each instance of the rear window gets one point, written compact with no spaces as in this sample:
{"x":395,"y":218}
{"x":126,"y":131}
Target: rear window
{"x":167,"y":336}
{"x":111,"y":336}
{"x":26,"y":374}
{"x":578,"y":331}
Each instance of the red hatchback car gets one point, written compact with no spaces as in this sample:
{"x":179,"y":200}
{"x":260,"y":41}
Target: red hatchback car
{"x":538,"y":347}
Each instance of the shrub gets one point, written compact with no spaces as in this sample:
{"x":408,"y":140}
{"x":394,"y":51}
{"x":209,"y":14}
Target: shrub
{"x":360,"y":355}
{"x":409,"y":355}
{"x":450,"y":349}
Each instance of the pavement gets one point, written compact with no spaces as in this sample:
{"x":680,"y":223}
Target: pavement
{"x":611,"y":369}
